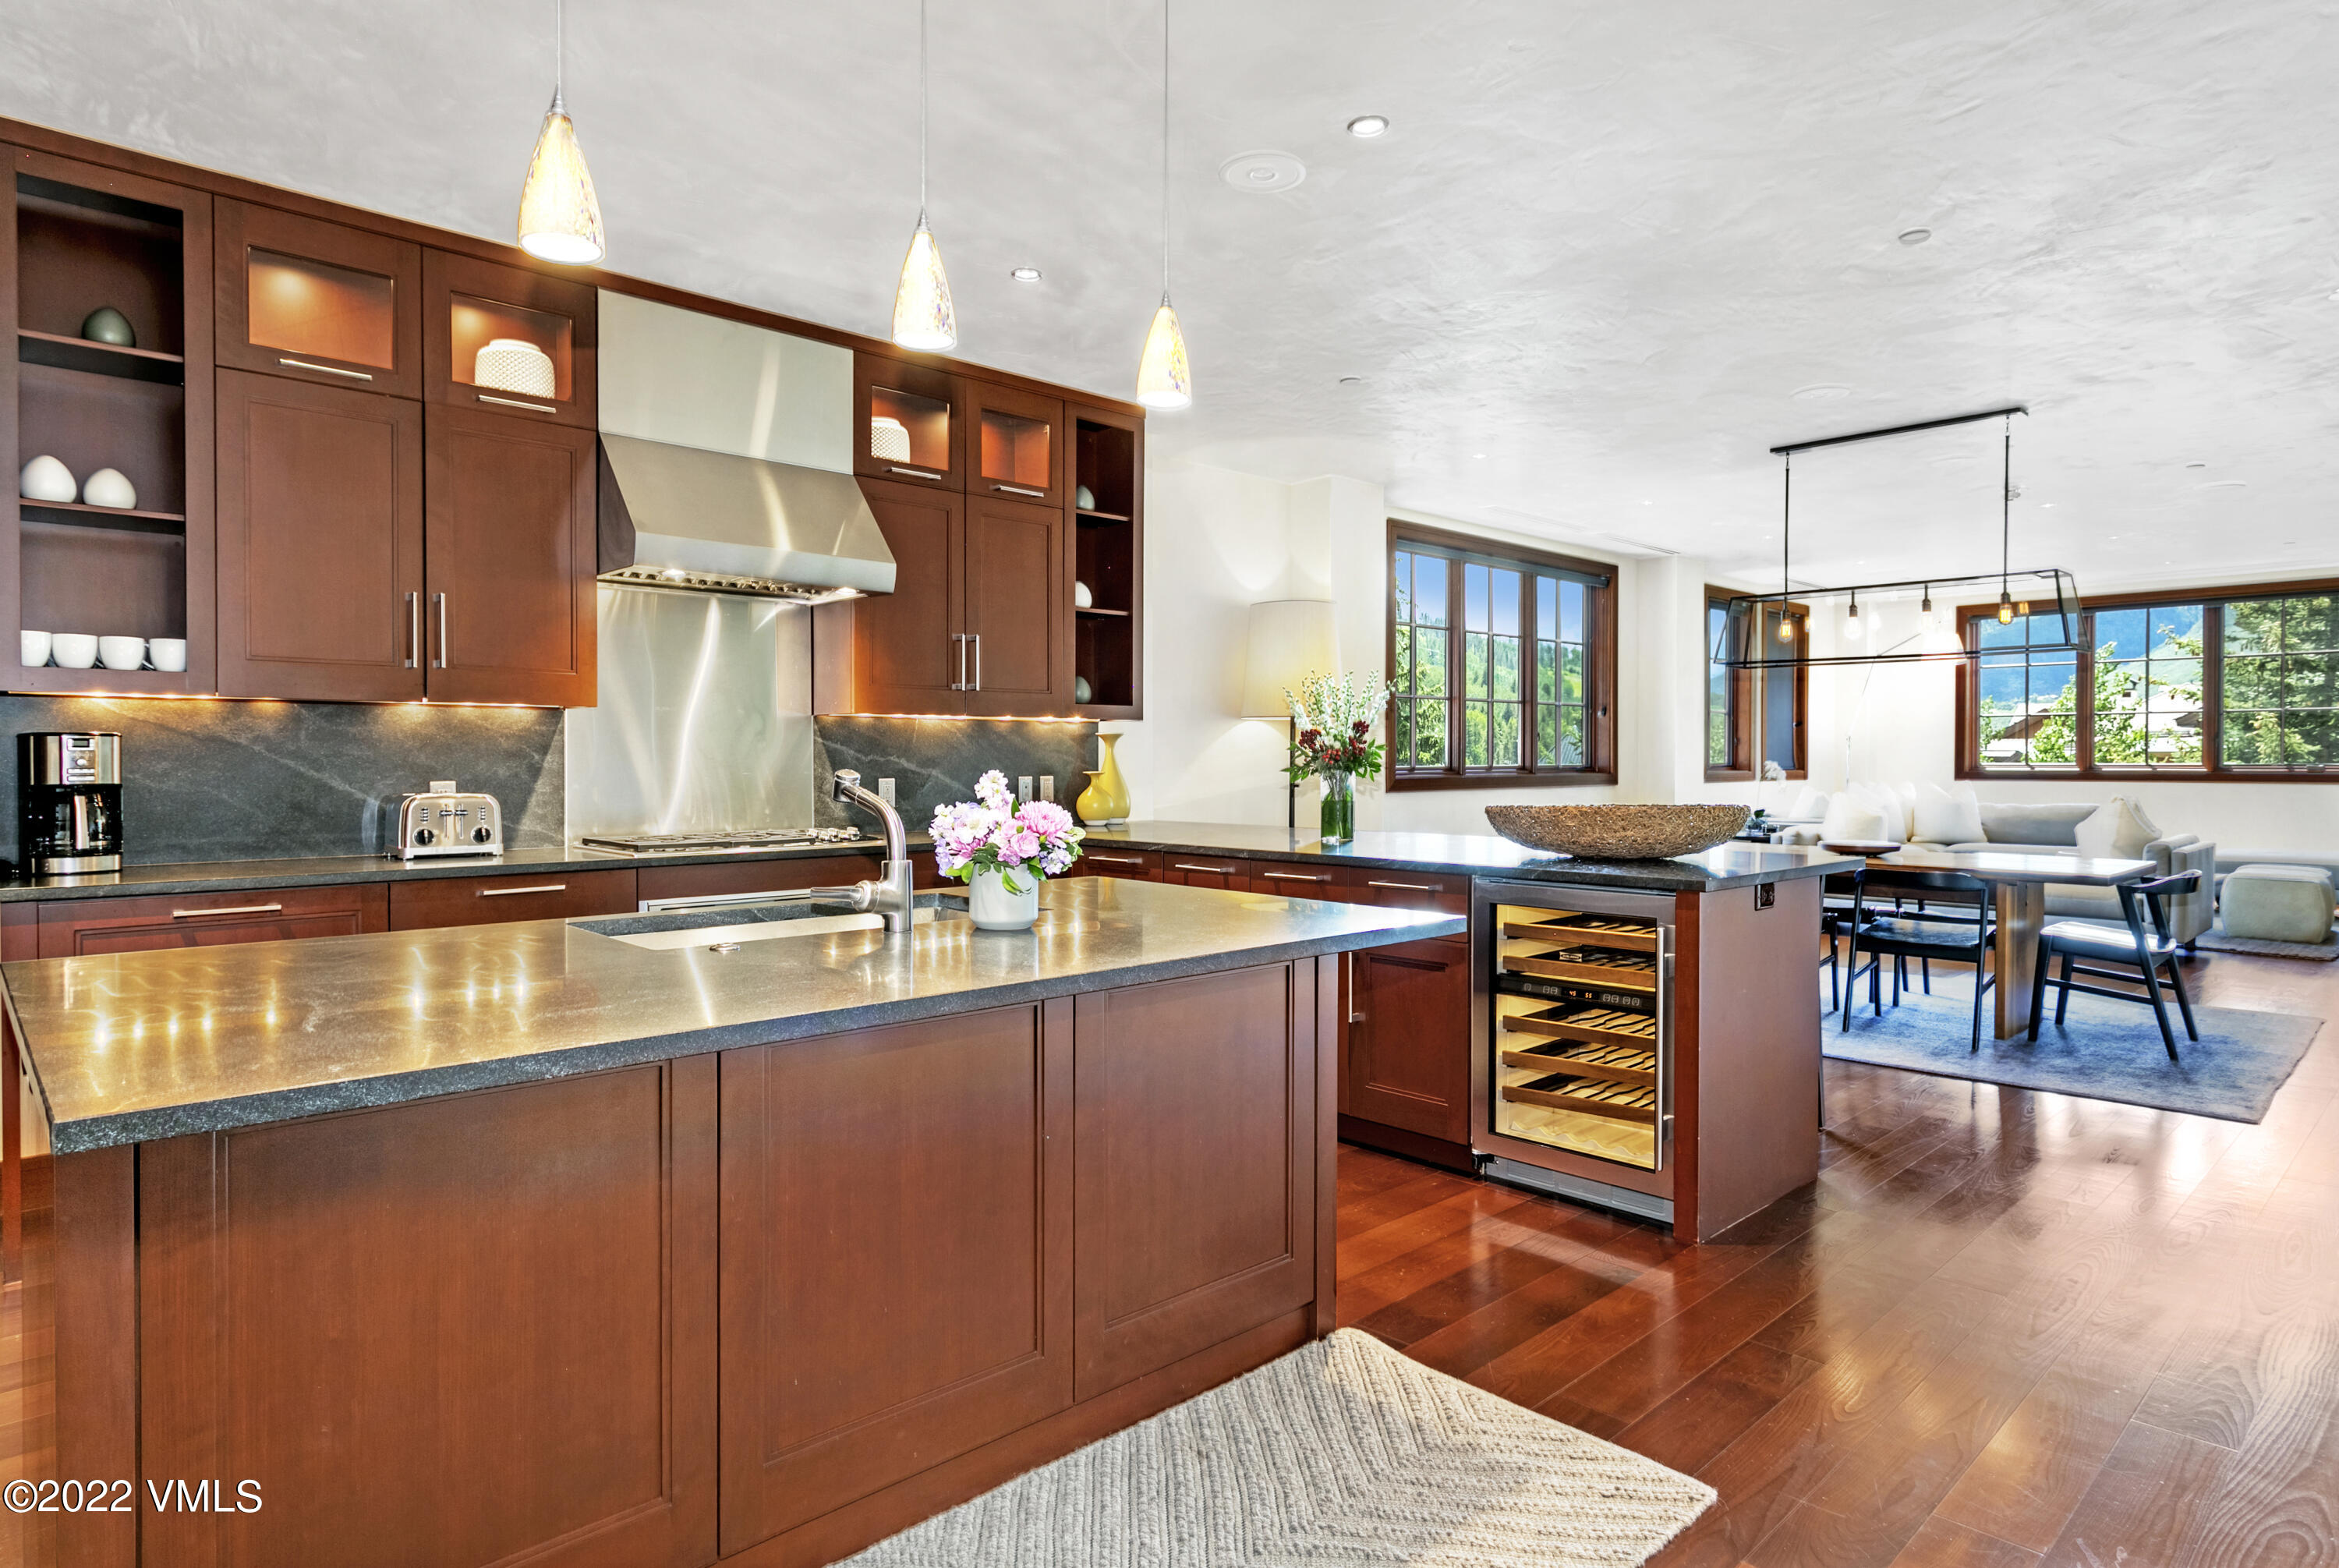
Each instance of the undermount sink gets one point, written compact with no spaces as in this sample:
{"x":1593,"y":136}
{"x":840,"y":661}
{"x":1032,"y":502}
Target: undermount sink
{"x":731,"y":924}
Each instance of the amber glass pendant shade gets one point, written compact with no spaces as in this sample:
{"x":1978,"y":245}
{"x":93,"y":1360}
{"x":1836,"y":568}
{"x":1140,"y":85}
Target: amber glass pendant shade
{"x":1164,"y":381}
{"x":560,"y":216}
{"x":924,"y":321}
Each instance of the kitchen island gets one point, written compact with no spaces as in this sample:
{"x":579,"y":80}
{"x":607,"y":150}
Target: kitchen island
{"x":531,"y":1239}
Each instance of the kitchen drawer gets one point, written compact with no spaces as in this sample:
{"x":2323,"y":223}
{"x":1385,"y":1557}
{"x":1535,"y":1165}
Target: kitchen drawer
{"x":1301,"y":879}
{"x":1207,"y":870}
{"x":485,"y":900}
{"x":1408,"y":890}
{"x":86,"y":927}
{"x":1137,"y":865}
{"x":731,"y":878}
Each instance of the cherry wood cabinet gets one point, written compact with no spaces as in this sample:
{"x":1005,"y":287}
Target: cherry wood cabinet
{"x":1107,"y":460}
{"x":1018,"y":444}
{"x":909,"y":422}
{"x":509,"y":556}
{"x":1195,"y":1131}
{"x":318,"y":302}
{"x":521,"y":896}
{"x":85,"y":928}
{"x":1018,"y":595}
{"x":905,"y":652}
{"x":1404,"y":1060}
{"x":321,"y":530}
{"x":1406,"y":890}
{"x":469,"y":304}
{"x":897,"y":1246}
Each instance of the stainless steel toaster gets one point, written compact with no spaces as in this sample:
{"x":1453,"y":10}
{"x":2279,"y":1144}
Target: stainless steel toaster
{"x":444,"y":820}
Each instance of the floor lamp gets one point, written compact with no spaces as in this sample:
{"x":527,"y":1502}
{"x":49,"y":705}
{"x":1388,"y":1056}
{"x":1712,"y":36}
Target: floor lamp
{"x":1290,"y":640}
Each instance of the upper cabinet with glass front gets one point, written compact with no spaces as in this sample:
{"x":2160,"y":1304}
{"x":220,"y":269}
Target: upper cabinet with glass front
{"x":1018,"y":445}
{"x":318,"y":302}
{"x":508,"y":339}
{"x":910,"y":422}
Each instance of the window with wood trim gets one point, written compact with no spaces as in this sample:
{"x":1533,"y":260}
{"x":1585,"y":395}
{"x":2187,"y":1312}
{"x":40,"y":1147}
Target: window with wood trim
{"x":1753,"y":713}
{"x":2226,"y":682}
{"x":1503,"y":663}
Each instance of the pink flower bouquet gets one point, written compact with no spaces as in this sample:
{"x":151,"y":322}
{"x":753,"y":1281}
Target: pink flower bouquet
{"x":991,"y":834}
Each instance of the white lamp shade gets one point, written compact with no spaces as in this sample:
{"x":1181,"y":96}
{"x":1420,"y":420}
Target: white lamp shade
{"x":1164,"y":379}
{"x":1290,"y":640}
{"x":560,"y":216}
{"x":923,"y":318}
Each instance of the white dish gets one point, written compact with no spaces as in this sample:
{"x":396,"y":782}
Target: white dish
{"x":109,"y":487}
{"x":168,"y":653}
{"x":46,"y":479}
{"x":74,"y":650}
{"x":889,"y":439}
{"x":122,"y":652}
{"x":36,"y":648}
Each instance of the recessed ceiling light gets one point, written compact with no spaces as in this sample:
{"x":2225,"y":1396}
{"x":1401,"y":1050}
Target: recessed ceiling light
{"x":1825,"y":392}
{"x":1479,"y":455}
{"x":1915,"y":236}
{"x":1262,"y":170}
{"x":1025,"y":274}
{"x":1368,"y":125}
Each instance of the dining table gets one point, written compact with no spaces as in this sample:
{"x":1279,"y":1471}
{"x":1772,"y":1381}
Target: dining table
{"x":2017,"y":886}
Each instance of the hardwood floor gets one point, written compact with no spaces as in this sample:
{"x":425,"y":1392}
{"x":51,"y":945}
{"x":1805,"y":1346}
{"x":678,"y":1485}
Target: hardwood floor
{"x":2005,"y":1329}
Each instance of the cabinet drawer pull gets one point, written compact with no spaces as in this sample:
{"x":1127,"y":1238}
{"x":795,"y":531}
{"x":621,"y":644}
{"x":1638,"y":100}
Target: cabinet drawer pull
{"x":508,"y":891}
{"x":239,"y":909}
{"x":329,"y":369}
{"x":1213,"y":870}
{"x":913,"y":473}
{"x":1022,"y":490}
{"x":516,"y":403}
{"x":1116,"y":859}
{"x":1407,"y":886}
{"x":1292,"y":876}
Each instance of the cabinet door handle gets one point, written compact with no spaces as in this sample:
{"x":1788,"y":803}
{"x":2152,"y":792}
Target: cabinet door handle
{"x":1291,"y":876}
{"x":977,"y":638}
{"x":440,"y":600}
{"x":913,"y":473}
{"x":413,"y":631}
{"x":1406,"y":886}
{"x":239,"y":909}
{"x":960,"y":640}
{"x":1355,"y":1007}
{"x":516,"y":403}
{"x":329,"y":369}
{"x":1022,"y":490}
{"x":510,"y":891}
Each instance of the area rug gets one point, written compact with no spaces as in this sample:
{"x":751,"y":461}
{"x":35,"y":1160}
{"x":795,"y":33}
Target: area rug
{"x":1341,"y":1453}
{"x":2216,"y":941}
{"x":2106,"y":1051}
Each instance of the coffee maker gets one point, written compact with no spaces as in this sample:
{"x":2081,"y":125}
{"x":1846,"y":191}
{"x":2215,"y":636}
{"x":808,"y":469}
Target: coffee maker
{"x":69,"y":803}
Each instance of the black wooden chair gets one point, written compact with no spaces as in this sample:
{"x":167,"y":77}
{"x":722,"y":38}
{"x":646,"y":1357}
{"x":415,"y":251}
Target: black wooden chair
{"x":2083,"y":947}
{"x":1962,"y":929}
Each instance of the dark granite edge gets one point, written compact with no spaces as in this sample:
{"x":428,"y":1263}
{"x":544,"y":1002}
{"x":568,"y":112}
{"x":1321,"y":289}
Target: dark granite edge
{"x":1660,"y":875}
{"x":501,"y":1072}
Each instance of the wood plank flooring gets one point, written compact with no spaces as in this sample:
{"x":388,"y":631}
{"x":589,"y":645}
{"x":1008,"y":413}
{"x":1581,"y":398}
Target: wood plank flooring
{"x":2003,"y":1330}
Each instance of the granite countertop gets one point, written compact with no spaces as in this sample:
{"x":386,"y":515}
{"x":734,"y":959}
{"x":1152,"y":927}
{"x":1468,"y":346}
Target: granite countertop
{"x":1483,"y":854}
{"x":151,"y":1045}
{"x":1455,"y":855}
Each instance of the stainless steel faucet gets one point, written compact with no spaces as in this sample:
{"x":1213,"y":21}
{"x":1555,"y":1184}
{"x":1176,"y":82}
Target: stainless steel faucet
{"x":894,"y":895}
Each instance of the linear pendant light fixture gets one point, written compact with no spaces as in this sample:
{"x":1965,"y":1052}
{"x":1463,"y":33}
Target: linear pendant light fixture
{"x":559,"y":215}
{"x":1164,"y":379}
{"x":923,"y":317}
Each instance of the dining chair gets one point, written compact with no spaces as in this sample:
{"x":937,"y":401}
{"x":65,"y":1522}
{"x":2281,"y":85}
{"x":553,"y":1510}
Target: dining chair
{"x":1964,"y":929}
{"x":2083,"y":946}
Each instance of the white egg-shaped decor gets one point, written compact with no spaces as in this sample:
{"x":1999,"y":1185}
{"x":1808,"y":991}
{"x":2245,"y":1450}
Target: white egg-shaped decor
{"x":1082,"y":599}
{"x":109,"y":487}
{"x":46,"y":479}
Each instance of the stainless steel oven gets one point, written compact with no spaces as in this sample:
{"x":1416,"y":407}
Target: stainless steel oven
{"x":1572,"y":1030}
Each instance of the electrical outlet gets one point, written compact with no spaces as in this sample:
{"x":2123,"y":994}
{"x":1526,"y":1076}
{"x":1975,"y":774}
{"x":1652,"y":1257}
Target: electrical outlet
{"x":1766,"y":895}
{"x":1048,"y":786}
{"x":885,"y":792}
{"x":1023,"y":789}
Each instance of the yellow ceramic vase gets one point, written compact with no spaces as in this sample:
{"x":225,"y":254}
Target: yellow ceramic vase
{"x":1107,"y":797}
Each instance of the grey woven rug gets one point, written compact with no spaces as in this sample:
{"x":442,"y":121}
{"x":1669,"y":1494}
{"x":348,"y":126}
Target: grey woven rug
{"x":1342,"y":1452}
{"x":2216,"y":941}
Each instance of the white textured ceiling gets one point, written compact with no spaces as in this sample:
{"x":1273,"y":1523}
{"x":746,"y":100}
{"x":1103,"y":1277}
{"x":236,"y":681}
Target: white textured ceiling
{"x":1608,"y":255}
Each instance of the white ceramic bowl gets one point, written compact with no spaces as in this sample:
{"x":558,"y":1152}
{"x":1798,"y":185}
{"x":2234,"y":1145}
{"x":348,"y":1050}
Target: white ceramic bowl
{"x":46,"y":479}
{"x":122,"y":652}
{"x":74,"y":650}
{"x":168,"y":653}
{"x":514,"y":365}
{"x":37,"y":648}
{"x":108,"y":488}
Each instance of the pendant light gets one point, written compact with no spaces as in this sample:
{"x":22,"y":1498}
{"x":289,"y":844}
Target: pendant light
{"x":2005,"y":529}
{"x":1164,"y":379}
{"x":1786,"y":547}
{"x":560,"y":216}
{"x":1852,"y":626}
{"x":924,"y":319}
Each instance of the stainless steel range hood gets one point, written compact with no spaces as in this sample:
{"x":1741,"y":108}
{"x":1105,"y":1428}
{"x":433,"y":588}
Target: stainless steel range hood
{"x":727,"y":459}
{"x":676,"y":516}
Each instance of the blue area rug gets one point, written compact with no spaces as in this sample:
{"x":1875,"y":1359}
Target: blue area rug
{"x":2105,"y":1049}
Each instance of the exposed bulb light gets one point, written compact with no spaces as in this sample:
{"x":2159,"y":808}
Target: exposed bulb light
{"x":1368,"y":125}
{"x":2004,"y":609}
{"x":1852,"y":630}
{"x":924,"y":321}
{"x":1165,"y":379}
{"x":559,"y":215}
{"x":1786,"y":627}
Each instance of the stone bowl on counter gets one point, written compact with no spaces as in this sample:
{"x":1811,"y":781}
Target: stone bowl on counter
{"x":1618,"y":832}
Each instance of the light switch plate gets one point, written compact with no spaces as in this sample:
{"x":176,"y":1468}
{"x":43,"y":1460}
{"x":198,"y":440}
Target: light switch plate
{"x":885,"y":792}
{"x":1048,"y":786}
{"x":1023,"y":789}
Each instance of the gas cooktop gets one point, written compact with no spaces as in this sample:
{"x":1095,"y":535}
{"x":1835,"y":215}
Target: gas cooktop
{"x":739,"y":840}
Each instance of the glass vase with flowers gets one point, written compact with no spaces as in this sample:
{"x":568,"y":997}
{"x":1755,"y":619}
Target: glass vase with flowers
{"x":1332,"y":739}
